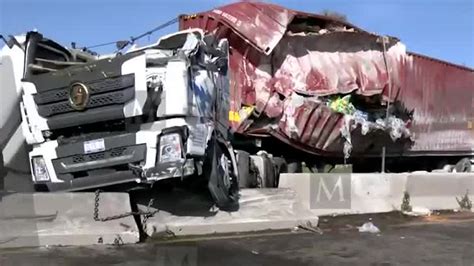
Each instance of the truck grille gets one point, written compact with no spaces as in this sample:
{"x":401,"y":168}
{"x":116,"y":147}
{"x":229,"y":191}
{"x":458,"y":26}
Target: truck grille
{"x":99,"y":156}
{"x":100,"y":160}
{"x":115,"y":97}
{"x":95,"y":87}
{"x":106,"y":100}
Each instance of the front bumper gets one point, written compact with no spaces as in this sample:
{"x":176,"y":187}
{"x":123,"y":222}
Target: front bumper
{"x":124,"y":158}
{"x":170,"y":170}
{"x":91,"y":182}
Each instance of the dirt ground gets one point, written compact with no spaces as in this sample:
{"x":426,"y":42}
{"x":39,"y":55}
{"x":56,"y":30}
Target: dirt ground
{"x":439,"y":239}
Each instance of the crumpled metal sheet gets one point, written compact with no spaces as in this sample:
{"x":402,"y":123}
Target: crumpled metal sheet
{"x":248,"y":18}
{"x":310,"y":122}
{"x":262,"y":25}
{"x":308,"y":65}
{"x":338,"y":62}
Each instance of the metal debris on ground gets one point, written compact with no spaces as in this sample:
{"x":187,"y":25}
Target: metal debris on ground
{"x":166,"y":234}
{"x":311,"y":228}
{"x":369,"y":227}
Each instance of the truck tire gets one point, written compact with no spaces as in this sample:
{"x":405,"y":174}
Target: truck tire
{"x":224,"y":194}
{"x":280,"y":167}
{"x":463,"y":166}
{"x":271,"y":174}
{"x":246,"y":179}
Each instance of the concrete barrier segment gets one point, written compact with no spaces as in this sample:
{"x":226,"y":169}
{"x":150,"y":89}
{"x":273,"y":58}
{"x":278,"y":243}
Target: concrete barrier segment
{"x":329,"y":194}
{"x":259,"y":210}
{"x":42,"y":219}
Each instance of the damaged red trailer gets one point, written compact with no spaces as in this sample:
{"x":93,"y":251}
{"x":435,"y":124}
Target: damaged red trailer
{"x":313,"y":89}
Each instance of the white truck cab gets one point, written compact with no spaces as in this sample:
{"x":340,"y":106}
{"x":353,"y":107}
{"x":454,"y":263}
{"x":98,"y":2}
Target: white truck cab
{"x":148,"y":114}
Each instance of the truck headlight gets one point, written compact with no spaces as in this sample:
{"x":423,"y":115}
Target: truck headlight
{"x":170,"y":148}
{"x":39,"y":169}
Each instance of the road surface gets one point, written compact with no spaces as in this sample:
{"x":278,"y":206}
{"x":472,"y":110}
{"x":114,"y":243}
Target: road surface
{"x":446,"y":239}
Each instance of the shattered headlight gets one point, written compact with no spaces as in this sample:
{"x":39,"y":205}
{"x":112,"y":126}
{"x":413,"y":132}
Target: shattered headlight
{"x":40,"y":170}
{"x":170,"y":148}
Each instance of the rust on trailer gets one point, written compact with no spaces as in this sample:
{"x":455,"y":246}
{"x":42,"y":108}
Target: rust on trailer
{"x":284,"y":61}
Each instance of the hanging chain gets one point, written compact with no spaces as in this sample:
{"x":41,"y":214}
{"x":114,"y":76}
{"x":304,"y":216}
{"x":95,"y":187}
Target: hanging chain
{"x":146,"y":214}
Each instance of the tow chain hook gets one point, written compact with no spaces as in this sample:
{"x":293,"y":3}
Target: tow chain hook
{"x":146,"y":214}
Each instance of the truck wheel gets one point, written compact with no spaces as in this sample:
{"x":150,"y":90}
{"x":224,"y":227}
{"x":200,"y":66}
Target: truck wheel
{"x":222,"y":183}
{"x":280,"y":167}
{"x":463,"y":166}
{"x":246,"y":179}
{"x":270,"y":172}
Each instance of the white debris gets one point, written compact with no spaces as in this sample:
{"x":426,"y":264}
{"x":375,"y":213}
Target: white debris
{"x":418,"y":211}
{"x":346,"y":133}
{"x":369,"y":227}
{"x":294,"y":102}
{"x":365,"y":127}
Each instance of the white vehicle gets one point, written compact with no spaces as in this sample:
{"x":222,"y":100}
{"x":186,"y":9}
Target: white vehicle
{"x":152,"y":113}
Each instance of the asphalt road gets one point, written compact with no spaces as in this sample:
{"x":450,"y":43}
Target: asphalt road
{"x":435,"y":240}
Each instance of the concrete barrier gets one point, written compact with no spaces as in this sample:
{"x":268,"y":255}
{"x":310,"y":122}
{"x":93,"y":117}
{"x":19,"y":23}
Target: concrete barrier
{"x":328,"y":194}
{"x":345,"y":193}
{"x":438,"y":191}
{"x":41,"y":219}
{"x":259,"y":210}
{"x":377,"y":193}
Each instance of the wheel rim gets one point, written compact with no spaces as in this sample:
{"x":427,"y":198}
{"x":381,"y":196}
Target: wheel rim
{"x":226,"y":176}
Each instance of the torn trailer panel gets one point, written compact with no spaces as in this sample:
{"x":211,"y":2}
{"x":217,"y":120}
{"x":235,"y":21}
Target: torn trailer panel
{"x":317,"y":58}
{"x":261,"y":25}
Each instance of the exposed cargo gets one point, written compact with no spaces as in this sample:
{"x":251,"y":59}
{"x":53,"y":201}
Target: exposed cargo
{"x":285,"y":64}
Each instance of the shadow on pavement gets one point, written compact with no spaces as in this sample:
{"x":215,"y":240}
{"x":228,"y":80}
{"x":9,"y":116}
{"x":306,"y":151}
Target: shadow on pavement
{"x":179,"y":201}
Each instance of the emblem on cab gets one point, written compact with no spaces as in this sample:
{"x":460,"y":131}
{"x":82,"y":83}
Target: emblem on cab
{"x":78,"y":96}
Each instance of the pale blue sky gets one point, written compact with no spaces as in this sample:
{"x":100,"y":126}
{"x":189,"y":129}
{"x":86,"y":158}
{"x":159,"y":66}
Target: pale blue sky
{"x":439,"y":28}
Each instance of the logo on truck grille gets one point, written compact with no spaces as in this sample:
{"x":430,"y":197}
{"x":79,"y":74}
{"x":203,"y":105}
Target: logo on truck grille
{"x":78,"y":96}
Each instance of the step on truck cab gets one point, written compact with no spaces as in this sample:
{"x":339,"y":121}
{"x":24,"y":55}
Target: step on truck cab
{"x":149,"y":114}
